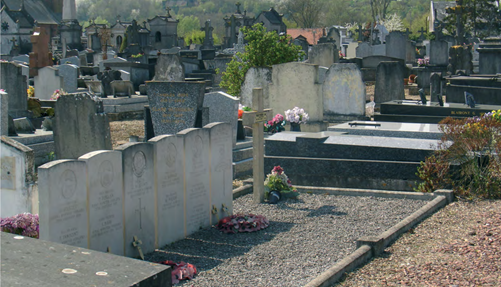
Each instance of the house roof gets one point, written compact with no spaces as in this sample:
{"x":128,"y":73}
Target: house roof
{"x":312,"y":35}
{"x":36,"y":10}
{"x":272,"y":15}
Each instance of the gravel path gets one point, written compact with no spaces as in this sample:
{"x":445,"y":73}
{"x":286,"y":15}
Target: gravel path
{"x":305,"y":237}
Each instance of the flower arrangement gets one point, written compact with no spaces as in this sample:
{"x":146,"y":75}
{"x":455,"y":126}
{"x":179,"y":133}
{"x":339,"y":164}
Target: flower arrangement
{"x":31,"y":92}
{"x":277,"y":180}
{"x":25,"y":224}
{"x":242,"y":109}
{"x":242,"y":223}
{"x":423,"y":62}
{"x":276,"y":125}
{"x":296,"y":116}
{"x":138,"y":55}
{"x":181,"y":270}
{"x":57,"y":94}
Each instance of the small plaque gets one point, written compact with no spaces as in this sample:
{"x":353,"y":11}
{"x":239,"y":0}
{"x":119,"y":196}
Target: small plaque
{"x":260,"y":117}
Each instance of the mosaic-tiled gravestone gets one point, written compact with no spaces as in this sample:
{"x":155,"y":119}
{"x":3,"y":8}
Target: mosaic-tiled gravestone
{"x":221,"y":170}
{"x":104,"y":179}
{"x":139,"y":197}
{"x":174,"y":105}
{"x":170,"y":188}
{"x":197,"y":188}
{"x":63,"y":202}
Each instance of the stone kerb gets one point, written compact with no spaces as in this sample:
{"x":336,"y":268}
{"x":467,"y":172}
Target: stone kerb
{"x":344,"y":93}
{"x":105,"y":186}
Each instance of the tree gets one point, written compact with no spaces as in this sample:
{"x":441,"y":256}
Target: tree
{"x":479,"y":18}
{"x":306,"y":13}
{"x":379,"y":9}
{"x":263,"y":49}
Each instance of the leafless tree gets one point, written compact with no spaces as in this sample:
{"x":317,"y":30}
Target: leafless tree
{"x":306,"y":13}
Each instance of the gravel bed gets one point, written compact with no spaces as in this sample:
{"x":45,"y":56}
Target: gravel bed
{"x":306,"y":236}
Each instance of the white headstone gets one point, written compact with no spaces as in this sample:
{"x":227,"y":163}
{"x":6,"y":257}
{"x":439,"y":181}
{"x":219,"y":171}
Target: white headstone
{"x":221,"y":170}
{"x":47,"y":81}
{"x":104,"y":181}
{"x":197,"y":188}
{"x":139,"y":197}
{"x":63,"y":202}
{"x":169,"y":184}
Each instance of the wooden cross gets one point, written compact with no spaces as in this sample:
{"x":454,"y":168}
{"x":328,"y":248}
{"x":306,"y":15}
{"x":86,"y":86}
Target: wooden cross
{"x":137,"y":244}
{"x":140,"y":212}
{"x":422,"y":31}
{"x":258,"y":145}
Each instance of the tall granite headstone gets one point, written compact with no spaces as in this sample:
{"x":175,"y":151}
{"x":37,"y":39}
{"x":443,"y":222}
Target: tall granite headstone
{"x":80,"y":126}
{"x":223,"y":108}
{"x":174,"y":105}
{"x":389,"y":82}
{"x":14,"y":83}
{"x":396,"y":45}
{"x":439,"y":53}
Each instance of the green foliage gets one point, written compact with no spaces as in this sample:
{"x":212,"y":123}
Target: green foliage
{"x":467,"y":158}
{"x":98,"y":20}
{"x":187,"y":24}
{"x":480,"y":17}
{"x":198,"y":36}
{"x":264,"y":49}
{"x":124,"y":44}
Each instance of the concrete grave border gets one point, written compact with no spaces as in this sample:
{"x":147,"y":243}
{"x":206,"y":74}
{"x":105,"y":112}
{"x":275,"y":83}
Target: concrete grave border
{"x":368,"y":247}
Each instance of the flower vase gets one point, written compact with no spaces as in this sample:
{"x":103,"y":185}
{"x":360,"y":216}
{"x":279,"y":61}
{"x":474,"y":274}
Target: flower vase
{"x":274,"y":196}
{"x":295,"y":127}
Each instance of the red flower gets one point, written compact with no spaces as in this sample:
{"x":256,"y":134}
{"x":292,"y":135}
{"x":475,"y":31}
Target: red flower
{"x":240,"y":113}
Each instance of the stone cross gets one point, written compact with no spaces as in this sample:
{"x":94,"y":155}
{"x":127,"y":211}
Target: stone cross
{"x":140,"y":211}
{"x":258,"y":145}
{"x":13,"y":40}
{"x":168,"y":11}
{"x":238,"y":4}
{"x":458,"y":10}
{"x":422,"y":31}
{"x":137,"y":244}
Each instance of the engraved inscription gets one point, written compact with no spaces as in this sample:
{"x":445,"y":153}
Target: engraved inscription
{"x":139,"y":163}
{"x":106,"y":173}
{"x":68,"y":184}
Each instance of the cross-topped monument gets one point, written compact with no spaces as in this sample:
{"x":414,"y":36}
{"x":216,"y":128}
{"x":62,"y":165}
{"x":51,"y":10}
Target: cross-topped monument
{"x":238,"y":4}
{"x":407,"y":32}
{"x":168,"y":9}
{"x":359,"y":31}
{"x":422,"y":31}
{"x":458,"y":10}
{"x":208,"y":40}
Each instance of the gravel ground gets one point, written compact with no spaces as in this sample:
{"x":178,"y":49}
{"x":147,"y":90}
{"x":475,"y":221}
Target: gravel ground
{"x":305,"y":237}
{"x":460,"y":245}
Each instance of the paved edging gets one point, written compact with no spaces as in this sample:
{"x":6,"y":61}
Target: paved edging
{"x":371,"y":246}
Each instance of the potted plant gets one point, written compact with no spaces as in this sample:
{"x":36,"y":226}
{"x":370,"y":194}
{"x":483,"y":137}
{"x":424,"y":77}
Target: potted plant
{"x":277,"y":185}
{"x":296,"y":117}
{"x":276,"y":125}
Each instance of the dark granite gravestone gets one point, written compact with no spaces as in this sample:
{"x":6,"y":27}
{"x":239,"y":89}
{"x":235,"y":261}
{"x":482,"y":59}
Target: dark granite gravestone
{"x":174,"y":105}
{"x":435,"y":85}
{"x":389,"y":82}
{"x":412,"y":112}
{"x":14,"y":83}
{"x":58,"y":265}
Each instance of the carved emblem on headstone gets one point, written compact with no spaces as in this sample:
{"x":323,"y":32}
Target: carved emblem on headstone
{"x":106,"y":173}
{"x":68,"y":184}
{"x":139,"y":164}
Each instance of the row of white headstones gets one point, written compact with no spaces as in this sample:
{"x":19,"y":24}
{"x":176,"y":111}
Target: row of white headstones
{"x":140,"y":196}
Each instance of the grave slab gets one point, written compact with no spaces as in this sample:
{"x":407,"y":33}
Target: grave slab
{"x":59,"y":265}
